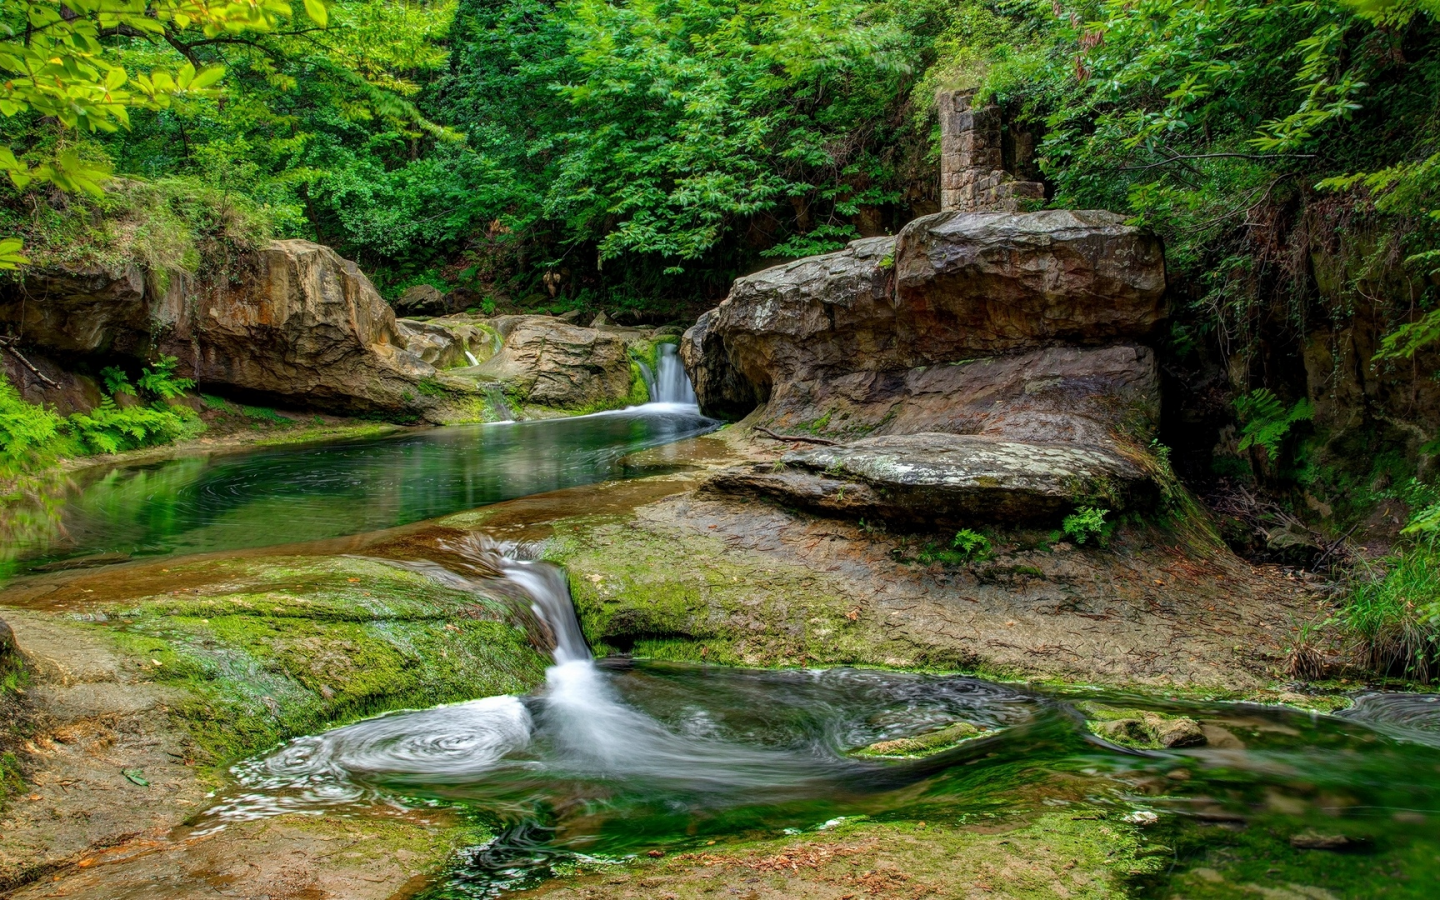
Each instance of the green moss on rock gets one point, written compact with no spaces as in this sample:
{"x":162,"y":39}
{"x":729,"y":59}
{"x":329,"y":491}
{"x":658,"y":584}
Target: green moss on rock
{"x":299,"y":646}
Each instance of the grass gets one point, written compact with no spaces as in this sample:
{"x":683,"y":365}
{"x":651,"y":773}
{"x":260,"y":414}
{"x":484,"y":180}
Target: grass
{"x":1394,"y":616}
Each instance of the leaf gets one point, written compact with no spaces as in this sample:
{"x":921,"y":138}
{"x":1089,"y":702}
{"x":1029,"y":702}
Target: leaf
{"x":135,"y":776}
{"x":315,"y":9}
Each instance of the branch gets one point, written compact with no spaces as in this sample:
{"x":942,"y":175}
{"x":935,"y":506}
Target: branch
{"x":7,"y":343}
{"x":796,"y":440}
{"x":1188,"y":156}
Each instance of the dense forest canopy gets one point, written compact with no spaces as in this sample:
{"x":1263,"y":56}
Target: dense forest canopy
{"x":649,"y":151}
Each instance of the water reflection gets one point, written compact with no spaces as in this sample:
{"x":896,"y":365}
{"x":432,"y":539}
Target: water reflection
{"x":197,"y":504}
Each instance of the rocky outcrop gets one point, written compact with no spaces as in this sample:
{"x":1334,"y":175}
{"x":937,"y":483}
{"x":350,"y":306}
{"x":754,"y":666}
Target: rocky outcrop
{"x":292,"y":320}
{"x":979,"y":366}
{"x":547,"y":362}
{"x":728,"y":394}
{"x":947,"y":478}
{"x":422,"y":300}
{"x":449,"y":344}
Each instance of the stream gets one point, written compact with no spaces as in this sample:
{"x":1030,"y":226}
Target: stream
{"x":618,"y":757}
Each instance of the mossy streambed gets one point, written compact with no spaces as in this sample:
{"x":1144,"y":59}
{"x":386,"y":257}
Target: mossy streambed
{"x":639,"y":777}
{"x":665,"y":776}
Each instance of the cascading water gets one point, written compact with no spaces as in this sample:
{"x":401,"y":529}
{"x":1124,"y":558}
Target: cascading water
{"x":671,"y":385}
{"x":614,"y":759}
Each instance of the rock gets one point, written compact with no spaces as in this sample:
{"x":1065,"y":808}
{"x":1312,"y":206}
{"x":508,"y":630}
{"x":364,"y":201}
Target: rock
{"x":9,"y":650}
{"x":936,"y":477}
{"x":600,"y":321}
{"x":447,"y":344}
{"x":1310,"y":840}
{"x":63,"y":391}
{"x":292,"y":320}
{"x":422,"y":300}
{"x":547,"y":362}
{"x":922,"y":745}
{"x":992,"y":282}
{"x":570,"y":317}
{"x":724,"y":393}
{"x":952,"y":286}
{"x":1002,"y":344}
{"x":1180,"y":731}
{"x":1150,"y":730}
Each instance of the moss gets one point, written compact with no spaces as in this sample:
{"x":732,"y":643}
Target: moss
{"x":639,"y":390}
{"x":720,"y":605}
{"x":1077,"y":854}
{"x":299,"y":647}
{"x":922,"y":745}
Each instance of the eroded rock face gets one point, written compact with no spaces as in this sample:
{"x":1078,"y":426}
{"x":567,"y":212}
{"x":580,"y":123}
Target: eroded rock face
{"x":946,"y":478}
{"x":996,"y":282}
{"x":728,"y":394}
{"x":549,"y":362}
{"x":978,"y":366}
{"x":292,"y":320}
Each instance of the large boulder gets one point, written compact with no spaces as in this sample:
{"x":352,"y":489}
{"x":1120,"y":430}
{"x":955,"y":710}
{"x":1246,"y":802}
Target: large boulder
{"x":978,"y":366}
{"x":292,"y":320}
{"x":547,"y":362}
{"x":727,"y":393}
{"x":950,"y":287}
{"x":447,"y":344}
{"x":422,"y":300}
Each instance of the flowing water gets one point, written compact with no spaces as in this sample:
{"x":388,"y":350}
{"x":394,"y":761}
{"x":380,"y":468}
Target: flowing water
{"x":617,"y":757}
{"x":271,"y":497}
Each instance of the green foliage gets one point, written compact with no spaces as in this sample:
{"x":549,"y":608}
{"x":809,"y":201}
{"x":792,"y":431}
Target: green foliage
{"x":1395,"y":615}
{"x":158,"y":379}
{"x":1265,"y":421}
{"x":972,"y":544}
{"x":109,"y":429}
{"x":116,"y":381}
{"x":1213,"y":123}
{"x":1085,"y":523}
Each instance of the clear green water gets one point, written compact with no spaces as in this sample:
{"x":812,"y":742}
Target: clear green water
{"x":283,"y":496}
{"x":707,"y":753}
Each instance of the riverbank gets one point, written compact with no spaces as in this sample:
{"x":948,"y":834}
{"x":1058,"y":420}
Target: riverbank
{"x":169,"y":670}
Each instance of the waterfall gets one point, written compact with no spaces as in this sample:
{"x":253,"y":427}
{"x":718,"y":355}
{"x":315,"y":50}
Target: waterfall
{"x":672,"y":385}
{"x":577,"y":728}
{"x":648,"y":377}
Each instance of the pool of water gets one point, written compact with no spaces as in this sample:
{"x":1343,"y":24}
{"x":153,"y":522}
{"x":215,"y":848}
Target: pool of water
{"x":620,"y":757}
{"x":282,"y":496}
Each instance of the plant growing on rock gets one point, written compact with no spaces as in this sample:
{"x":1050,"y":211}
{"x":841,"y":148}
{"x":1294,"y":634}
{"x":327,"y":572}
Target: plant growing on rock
{"x":1265,"y":421}
{"x":1085,"y":523}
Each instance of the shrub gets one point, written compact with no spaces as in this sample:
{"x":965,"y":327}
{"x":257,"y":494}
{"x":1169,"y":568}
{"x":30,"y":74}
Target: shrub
{"x":158,"y":379}
{"x":971,"y":544}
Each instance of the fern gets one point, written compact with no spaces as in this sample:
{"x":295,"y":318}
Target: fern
{"x":158,"y":379}
{"x":1085,"y":523}
{"x":116,"y":381}
{"x":1264,"y":420}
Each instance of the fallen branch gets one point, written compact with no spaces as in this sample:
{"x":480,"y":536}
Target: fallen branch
{"x":796,"y":440}
{"x":7,"y":344}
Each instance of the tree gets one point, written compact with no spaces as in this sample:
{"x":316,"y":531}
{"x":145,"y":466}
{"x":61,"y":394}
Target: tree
{"x":62,"y":66}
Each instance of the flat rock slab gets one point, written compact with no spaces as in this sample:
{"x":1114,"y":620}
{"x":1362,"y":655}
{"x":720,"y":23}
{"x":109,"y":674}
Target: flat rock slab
{"x":935,"y":477}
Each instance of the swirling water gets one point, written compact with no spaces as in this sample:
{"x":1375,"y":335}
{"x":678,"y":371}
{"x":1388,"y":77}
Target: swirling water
{"x":200,"y":504}
{"x":614,"y":757}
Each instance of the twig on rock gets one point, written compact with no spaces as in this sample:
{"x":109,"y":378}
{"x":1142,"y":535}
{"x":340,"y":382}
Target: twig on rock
{"x":795,"y":439}
{"x":8,"y":345}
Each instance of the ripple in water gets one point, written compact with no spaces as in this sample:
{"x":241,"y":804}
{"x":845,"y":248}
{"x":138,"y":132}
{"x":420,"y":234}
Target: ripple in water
{"x":1410,"y":717}
{"x":445,"y":745}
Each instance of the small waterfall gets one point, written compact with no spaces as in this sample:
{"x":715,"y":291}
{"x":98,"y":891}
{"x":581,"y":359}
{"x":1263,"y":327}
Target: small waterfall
{"x":470,"y":356}
{"x":672,"y":385}
{"x":496,"y":398}
{"x":648,"y":377}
